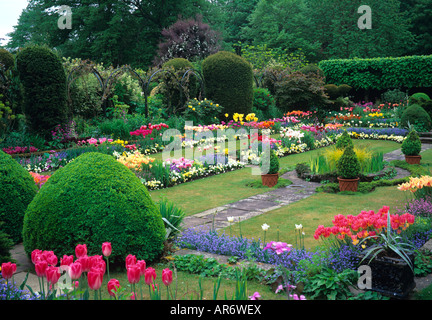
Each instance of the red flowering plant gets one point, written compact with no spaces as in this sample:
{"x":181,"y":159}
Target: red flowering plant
{"x":376,"y":232}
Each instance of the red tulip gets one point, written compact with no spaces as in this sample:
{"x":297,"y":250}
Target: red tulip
{"x":52,"y":274}
{"x":113,"y":285}
{"x":85,"y":263}
{"x":142,"y":265}
{"x":66,"y":260}
{"x":36,"y":255}
{"x":130,"y":259}
{"x":40,"y":268}
{"x":149,"y":276}
{"x":81,"y":250}
{"x":75,"y":270}
{"x":133,"y":273}
{"x":8,"y":269}
{"x":167,"y":278}
{"x":106,"y":249}
{"x":94,"y":278}
{"x":50,"y":257}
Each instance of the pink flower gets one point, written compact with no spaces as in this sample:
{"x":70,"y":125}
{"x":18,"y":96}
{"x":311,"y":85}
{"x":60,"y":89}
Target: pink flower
{"x":80,"y":250}
{"x":255,"y":296}
{"x":106,"y":249}
{"x":8,"y":269}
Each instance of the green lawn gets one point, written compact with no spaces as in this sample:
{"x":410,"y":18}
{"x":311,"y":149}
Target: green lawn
{"x":207,"y":193}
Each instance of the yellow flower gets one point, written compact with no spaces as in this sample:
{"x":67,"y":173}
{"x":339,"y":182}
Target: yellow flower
{"x":226,"y":115}
{"x":190,"y":106}
{"x":194,"y":108}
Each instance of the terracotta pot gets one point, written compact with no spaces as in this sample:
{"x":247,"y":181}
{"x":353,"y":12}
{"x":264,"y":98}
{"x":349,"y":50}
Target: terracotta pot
{"x":269,"y":180}
{"x":413,"y":159}
{"x":348,"y":184}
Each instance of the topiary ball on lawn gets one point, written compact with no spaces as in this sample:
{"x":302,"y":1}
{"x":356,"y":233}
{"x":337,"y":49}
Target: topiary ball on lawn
{"x":94,"y":199}
{"x":416,"y":116}
{"x":17,"y":190}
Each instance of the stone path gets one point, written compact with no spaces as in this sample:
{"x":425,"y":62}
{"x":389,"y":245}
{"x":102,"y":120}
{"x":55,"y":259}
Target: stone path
{"x":275,"y":199}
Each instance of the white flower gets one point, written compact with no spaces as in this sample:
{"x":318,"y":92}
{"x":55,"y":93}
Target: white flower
{"x":298,"y":226}
{"x":265,"y":226}
{"x":230,"y":219}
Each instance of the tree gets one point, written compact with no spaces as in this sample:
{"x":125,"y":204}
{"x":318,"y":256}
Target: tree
{"x":189,"y":39}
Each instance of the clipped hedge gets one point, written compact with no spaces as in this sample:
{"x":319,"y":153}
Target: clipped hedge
{"x":94,"y":199}
{"x":379,"y":73}
{"x":17,"y":190}
{"x":228,"y":81}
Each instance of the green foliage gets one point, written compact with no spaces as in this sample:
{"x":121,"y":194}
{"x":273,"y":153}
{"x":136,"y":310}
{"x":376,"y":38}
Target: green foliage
{"x":7,"y":60}
{"x":348,"y":166}
{"x":299,"y":91}
{"x":172,"y":217}
{"x":330,"y":285}
{"x":379,"y":73}
{"x":91,"y":200}
{"x":411,"y":146}
{"x":335,"y":91}
{"x":6,"y":245}
{"x":264,"y":104}
{"x":422,"y":263}
{"x":229,"y":81}
{"x":416,"y":116}
{"x":204,"y":112}
{"x":344,"y":141}
{"x":17,"y":190}
{"x":394,"y":96}
{"x":272,"y":163}
{"x":423,"y":100}
{"x":312,"y":68}
{"x":44,"y":80}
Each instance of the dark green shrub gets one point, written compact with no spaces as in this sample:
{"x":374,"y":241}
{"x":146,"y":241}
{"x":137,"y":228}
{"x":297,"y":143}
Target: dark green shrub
{"x":7,"y":60}
{"x":273,"y":163}
{"x":264,"y":104}
{"x":348,"y":166}
{"x":294,"y":91}
{"x":6,"y":245}
{"x":91,"y":200}
{"x":229,"y":81}
{"x":423,"y":100}
{"x":411,"y":146}
{"x":45,"y":91}
{"x":344,"y":141}
{"x":394,"y":96}
{"x":332,"y":90}
{"x":312,"y":68}
{"x":175,"y":90}
{"x":416,"y":116}
{"x":17,"y":190}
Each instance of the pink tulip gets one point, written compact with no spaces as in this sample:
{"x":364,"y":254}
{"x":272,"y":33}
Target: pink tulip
{"x":133,"y":273}
{"x":112,"y":286}
{"x":149,"y":276}
{"x":52,"y":274}
{"x":66,"y":260}
{"x":36,"y":255}
{"x":167,"y":277}
{"x":40,"y":268}
{"x":80,"y":250}
{"x":94,"y":278}
{"x":85,"y":263}
{"x":106,"y":249}
{"x":142,"y":266}
{"x":75,"y":270}
{"x":8,"y":269}
{"x":130,"y":259}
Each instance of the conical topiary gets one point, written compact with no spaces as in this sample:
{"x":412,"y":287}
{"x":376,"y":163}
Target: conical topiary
{"x":411,"y":146}
{"x":344,"y":140}
{"x":348,"y":166}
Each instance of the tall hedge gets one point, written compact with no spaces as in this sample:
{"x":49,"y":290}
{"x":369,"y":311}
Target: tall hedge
{"x":380,"y":73}
{"x":17,"y":190}
{"x":45,"y":91}
{"x":94,"y":199}
{"x":228,"y":81}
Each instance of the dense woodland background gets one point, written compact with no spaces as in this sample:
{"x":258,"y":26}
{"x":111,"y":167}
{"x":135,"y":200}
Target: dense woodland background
{"x":139,"y":32}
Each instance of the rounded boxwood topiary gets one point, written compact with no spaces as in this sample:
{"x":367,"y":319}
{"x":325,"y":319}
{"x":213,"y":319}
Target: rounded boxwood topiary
{"x":45,"y":92}
{"x":17,"y":190}
{"x":348,"y":166}
{"x":7,"y":60}
{"x":94,"y":199}
{"x":228,"y":81}
{"x":411,"y":146}
{"x":417,"y":116}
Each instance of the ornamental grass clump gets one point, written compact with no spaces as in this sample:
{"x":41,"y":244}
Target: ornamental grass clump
{"x":94,"y":199}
